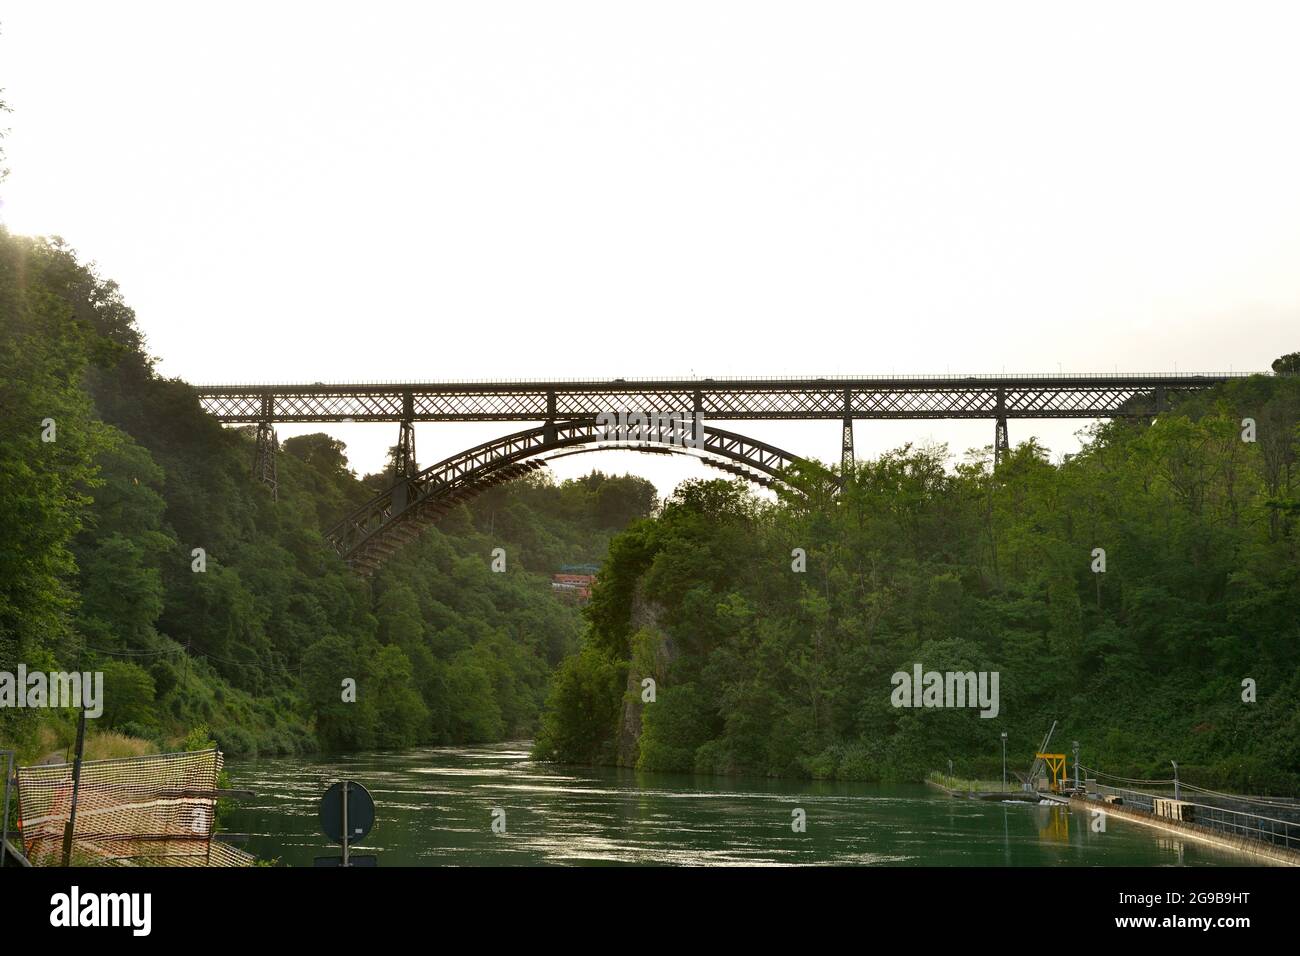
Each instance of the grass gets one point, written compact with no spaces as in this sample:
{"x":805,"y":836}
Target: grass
{"x":980,"y":786}
{"x":110,"y":744}
{"x":54,"y":737}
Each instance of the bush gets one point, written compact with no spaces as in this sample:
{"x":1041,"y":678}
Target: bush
{"x":235,"y":741}
{"x":583,"y":709}
{"x":128,"y":694}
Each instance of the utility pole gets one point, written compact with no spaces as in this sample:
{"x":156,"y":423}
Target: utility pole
{"x":1076,"y":765}
{"x":1004,"y":761}
{"x":1176,"y":791}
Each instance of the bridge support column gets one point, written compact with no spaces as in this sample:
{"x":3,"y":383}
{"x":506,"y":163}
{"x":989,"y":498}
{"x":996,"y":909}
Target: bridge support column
{"x":405,"y":463}
{"x":548,"y":429}
{"x":1001,"y":444}
{"x":267,"y":446}
{"x":264,"y":458}
{"x":846,"y":437}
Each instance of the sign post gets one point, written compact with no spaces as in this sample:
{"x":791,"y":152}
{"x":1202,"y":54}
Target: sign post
{"x":347,"y":814}
{"x":347,"y":785}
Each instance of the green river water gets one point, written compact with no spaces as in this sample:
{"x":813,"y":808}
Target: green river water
{"x":434,"y":807}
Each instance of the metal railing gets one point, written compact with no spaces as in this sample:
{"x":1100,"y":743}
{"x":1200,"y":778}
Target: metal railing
{"x":1064,"y":377}
{"x":1275,"y":830}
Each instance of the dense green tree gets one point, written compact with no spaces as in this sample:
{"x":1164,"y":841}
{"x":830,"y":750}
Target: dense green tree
{"x":763,"y":669}
{"x":49,"y":440}
{"x":402,"y":717}
{"x":138,"y":539}
{"x":582,"y":710}
{"x":129,"y":694}
{"x":341,"y":723}
{"x":1288,"y":364}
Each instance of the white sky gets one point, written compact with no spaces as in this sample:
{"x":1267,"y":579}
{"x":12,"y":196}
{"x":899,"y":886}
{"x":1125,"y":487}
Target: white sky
{"x":303,"y":192}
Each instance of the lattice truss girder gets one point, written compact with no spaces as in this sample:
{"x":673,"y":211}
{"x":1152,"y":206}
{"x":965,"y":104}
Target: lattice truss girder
{"x":377,"y":527}
{"x":1068,"y":397}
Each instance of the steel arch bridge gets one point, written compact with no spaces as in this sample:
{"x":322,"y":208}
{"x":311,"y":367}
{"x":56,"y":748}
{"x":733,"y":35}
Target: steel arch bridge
{"x":571,"y":410}
{"x":372,"y":532}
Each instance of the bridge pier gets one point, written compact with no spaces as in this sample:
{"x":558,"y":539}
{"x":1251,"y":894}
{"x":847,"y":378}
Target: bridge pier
{"x":267,"y":446}
{"x":404,"y":463}
{"x":264,"y":458}
{"x":1001,"y":444}
{"x":846,"y":436}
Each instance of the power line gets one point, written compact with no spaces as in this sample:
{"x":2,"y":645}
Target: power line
{"x":1188,"y":786}
{"x":130,"y":653}
{"x":1111,"y":776}
{"x":1288,"y":805}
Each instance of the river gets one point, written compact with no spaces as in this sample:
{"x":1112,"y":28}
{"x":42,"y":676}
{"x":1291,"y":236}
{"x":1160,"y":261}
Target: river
{"x":435,"y":806}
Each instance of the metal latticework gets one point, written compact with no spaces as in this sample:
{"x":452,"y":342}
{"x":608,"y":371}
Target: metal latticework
{"x":367,"y":536}
{"x":570,"y":409}
{"x":264,"y":458}
{"x":1001,"y":441}
{"x":155,"y":810}
{"x":405,"y":460}
{"x":902,"y":397}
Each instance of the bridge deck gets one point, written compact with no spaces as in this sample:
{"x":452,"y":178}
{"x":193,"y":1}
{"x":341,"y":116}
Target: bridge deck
{"x":905,"y":397}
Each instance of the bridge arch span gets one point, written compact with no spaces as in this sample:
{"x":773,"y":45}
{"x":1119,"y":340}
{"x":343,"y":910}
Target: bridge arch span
{"x":367,"y":536}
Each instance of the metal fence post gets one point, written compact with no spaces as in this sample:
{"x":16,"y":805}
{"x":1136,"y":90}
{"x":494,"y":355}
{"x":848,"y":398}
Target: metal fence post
{"x":4,"y":826}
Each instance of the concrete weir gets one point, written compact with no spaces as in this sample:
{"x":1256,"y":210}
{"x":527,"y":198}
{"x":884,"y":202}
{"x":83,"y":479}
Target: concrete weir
{"x":1281,"y":856}
{"x":1019,"y":796}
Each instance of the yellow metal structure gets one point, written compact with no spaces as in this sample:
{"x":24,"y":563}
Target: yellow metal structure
{"x":1056,"y":767}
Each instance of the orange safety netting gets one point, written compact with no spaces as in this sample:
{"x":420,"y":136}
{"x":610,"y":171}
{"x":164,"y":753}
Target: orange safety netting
{"x":156,"y":810}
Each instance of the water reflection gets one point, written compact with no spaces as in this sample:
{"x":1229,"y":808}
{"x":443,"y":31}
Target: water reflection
{"x":435,"y":806}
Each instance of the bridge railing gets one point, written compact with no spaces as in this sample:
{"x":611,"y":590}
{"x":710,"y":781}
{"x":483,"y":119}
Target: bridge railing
{"x":879,"y":377}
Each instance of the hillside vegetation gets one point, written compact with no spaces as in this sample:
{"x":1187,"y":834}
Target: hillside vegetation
{"x":959,"y":567}
{"x":100,"y":524}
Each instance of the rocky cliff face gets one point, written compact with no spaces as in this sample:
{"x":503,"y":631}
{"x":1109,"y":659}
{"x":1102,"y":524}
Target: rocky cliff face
{"x":652,"y":653}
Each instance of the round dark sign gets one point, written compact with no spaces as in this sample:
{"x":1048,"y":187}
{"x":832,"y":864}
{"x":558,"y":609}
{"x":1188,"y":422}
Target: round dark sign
{"x":361,"y":812}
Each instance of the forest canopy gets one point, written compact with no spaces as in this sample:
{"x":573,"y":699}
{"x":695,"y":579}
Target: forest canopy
{"x":100,"y":525}
{"x":760,"y":668}
{"x":112,"y":475}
